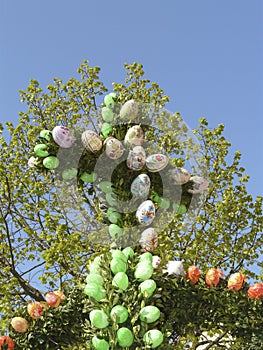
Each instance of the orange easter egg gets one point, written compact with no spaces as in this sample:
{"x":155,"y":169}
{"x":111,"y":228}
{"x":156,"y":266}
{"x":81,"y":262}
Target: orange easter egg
{"x":235,"y":281}
{"x":256,"y":291}
{"x":6,"y":340}
{"x":193,"y":274}
{"x":212,"y":277}
{"x":53,"y":299}
{"x":35,"y":309}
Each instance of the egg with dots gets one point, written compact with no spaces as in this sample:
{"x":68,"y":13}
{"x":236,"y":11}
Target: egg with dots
{"x":63,"y":136}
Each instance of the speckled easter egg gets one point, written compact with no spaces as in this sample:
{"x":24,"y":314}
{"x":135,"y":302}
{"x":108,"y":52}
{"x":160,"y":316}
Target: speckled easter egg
{"x":136,"y":158}
{"x":180,"y":175}
{"x":146,"y":213}
{"x":63,"y":136}
{"x":199,"y":184}
{"x":129,"y":110}
{"x":134,"y":136}
{"x":149,"y":240}
{"x":91,"y":141}
{"x":114,"y":148}
{"x":140,"y":186}
{"x":156,"y":162}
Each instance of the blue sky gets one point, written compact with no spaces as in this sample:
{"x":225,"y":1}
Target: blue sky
{"x":206,"y":55}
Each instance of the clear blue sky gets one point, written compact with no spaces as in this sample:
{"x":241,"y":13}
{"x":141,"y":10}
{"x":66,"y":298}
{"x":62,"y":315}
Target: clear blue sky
{"x":207,"y":55}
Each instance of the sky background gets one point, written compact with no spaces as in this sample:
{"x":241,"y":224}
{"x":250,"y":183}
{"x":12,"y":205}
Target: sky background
{"x":206,"y":55}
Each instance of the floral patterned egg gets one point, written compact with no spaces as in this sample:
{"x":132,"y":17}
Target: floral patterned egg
{"x":149,"y":240}
{"x":134,"y":136}
{"x":63,"y":136}
{"x":235,"y":281}
{"x":146,"y":213}
{"x":129,"y":110}
{"x":193,"y":274}
{"x":199,"y":184}
{"x":114,"y":148}
{"x":180,"y":175}
{"x":156,"y":162}
{"x":136,"y":158}
{"x":91,"y":141}
{"x":141,"y":185}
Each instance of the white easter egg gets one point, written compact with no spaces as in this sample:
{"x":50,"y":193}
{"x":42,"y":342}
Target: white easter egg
{"x":146,"y":213}
{"x":136,"y":158}
{"x":180,"y":175}
{"x":140,"y":186}
{"x":175,"y":267}
{"x":134,"y":136}
{"x":156,"y":261}
{"x":114,"y":148}
{"x":91,"y":141}
{"x":156,"y":162}
{"x":63,"y":136}
{"x":129,"y":110}
{"x":149,"y":240}
{"x":199,"y":184}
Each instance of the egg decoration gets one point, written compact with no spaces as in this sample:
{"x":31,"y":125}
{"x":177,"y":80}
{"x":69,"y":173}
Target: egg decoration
{"x":32,"y":162}
{"x":153,"y":338}
{"x":115,"y":231}
{"x":109,"y":100}
{"x":63,"y":136}
{"x":180,"y":175}
{"x":107,"y":114}
{"x":88,"y":177}
{"x":193,"y":274}
{"x":156,"y":261}
{"x":35,"y":309}
{"x":134,"y":136}
{"x":91,"y":141}
{"x":119,"y":314}
{"x":95,"y":290}
{"x":114,"y":148}
{"x":129,"y":110}
{"x":120,"y":281}
{"x":174,"y":267}
{"x":136,"y":158}
{"x":69,"y":174}
{"x":147,"y":287}
{"x":94,"y":278}
{"x":124,"y":337}
{"x":199,"y":184}
{"x":235,"y":281}
{"x":140,"y":186}
{"x":100,"y":344}
{"x":99,"y":319}
{"x":213,"y":276}
{"x":51,"y":162}
{"x":45,"y":134}
{"x":149,"y":240}
{"x":143,"y":272}
{"x":256,"y":291}
{"x":19,"y":324}
{"x":156,"y":162}
{"x":41,"y":150}
{"x":53,"y":299}
{"x":145,"y":214}
{"x":128,"y":252}
{"x":5,"y":340}
{"x":106,"y":129}
{"x":117,"y":265}
{"x":149,"y":314}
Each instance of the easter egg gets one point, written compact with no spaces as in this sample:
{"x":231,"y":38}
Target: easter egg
{"x":180,"y":175}
{"x":193,"y":274}
{"x":134,"y":136}
{"x":120,"y":280}
{"x":136,"y":158}
{"x":145,"y":214}
{"x":112,"y":198}
{"x":35,"y":309}
{"x":164,"y":203}
{"x":69,"y":174}
{"x":106,"y":129}
{"x":99,"y":319}
{"x":199,"y":184}
{"x":235,"y":281}
{"x":117,"y":265}
{"x":32,"y":162}
{"x":113,"y":215}
{"x":109,"y":101}
{"x":129,"y":110}
{"x":41,"y":150}
{"x":63,"y":136}
{"x":256,"y":291}
{"x":5,"y":340}
{"x":105,"y":186}
{"x":140,"y":186}
{"x":156,"y":162}
{"x":95,"y":290}
{"x":212,"y":277}
{"x":118,"y":254}
{"x":45,"y":134}
{"x":149,"y":240}
{"x":119,"y":314}
{"x":174,"y":267}
{"x":19,"y":324}
{"x":115,"y":231}
{"x":153,"y":338}
{"x":107,"y":114}
{"x":114,"y":148}
{"x":143,"y":272}
{"x":124,"y":337}
{"x":146,"y":257}
{"x":179,"y":208}
{"x":156,"y":261}
{"x":147,"y":287}
{"x":128,"y":252}
{"x":94,"y":278}
{"x":88,"y":177}
{"x":91,"y":141}
{"x":100,"y":344}
{"x":51,"y":162}
{"x":149,"y":314}
{"x":53,"y":299}
{"x":60,"y":294}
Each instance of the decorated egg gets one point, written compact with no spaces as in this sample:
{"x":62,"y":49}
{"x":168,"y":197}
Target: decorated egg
{"x":113,"y":215}
{"x":100,"y":344}
{"x":180,"y":175}
{"x":32,"y":161}
{"x":106,"y":129}
{"x":117,"y":265}
{"x":41,"y":150}
{"x":235,"y":281}
{"x":105,"y":186}
{"x":60,"y":294}
{"x":143,"y":272}
{"x":95,"y":290}
{"x":120,"y":280}
{"x":99,"y":319}
{"x":164,"y":203}
{"x":156,"y":162}
{"x":124,"y":337}
{"x":179,"y":208}
{"x":147,"y":287}
{"x":156,"y":261}
{"x":114,"y":148}
{"x":69,"y":174}
{"x":91,"y":141}
{"x":213,"y":276}
{"x":5,"y":340}
{"x":45,"y":134}
{"x":128,"y":252}
{"x":153,"y":338}
{"x":134,"y":136}
{"x":35,"y":309}
{"x":129,"y":110}
{"x":51,"y":162}
{"x":256,"y":291}
{"x":94,"y":278}
{"x":107,"y":114}
{"x":199,"y":184}
{"x":174,"y":267}
{"x":88,"y":177}
{"x":53,"y":299}
{"x":19,"y":324}
{"x":146,"y":213}
{"x":136,"y":158}
{"x":149,"y":314}
{"x":112,"y":198}
{"x":119,"y":314}
{"x":63,"y":136}
{"x":149,"y":240}
{"x":115,"y":231}
{"x":140,"y":186}
{"x":193,"y":274}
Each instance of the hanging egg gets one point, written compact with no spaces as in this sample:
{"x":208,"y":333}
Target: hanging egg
{"x":156,"y":162}
{"x":256,"y":291}
{"x":119,"y":314}
{"x":149,"y":240}
{"x":5,"y":340}
{"x":69,"y":174}
{"x":213,"y":276}
{"x":99,"y":319}
{"x":153,"y":338}
{"x":95,"y":290}
{"x":156,"y":261}
{"x":134,"y":136}
{"x":143,"y":271}
{"x":106,"y":129}
{"x":45,"y":134}
{"x":193,"y":274}
{"x":32,"y":162}
{"x":100,"y":344}
{"x":109,"y":100}
{"x":91,"y":141}
{"x":136,"y":158}
{"x":63,"y":136}
{"x":35,"y":309}
{"x":94,"y":278}
{"x":124,"y":337}
{"x":88,"y":177}
{"x":19,"y":324}
{"x":51,"y":162}
{"x":146,"y":213}
{"x":115,"y":231}
{"x":174,"y":267}
{"x":129,"y":110}
{"x":147,"y":287}
{"x":117,"y":265}
{"x":53,"y":299}
{"x":235,"y":281}
{"x":128,"y":252}
{"x":140,"y":186}
{"x":107,"y":114}
{"x":180,"y":175}
{"x":41,"y":150}
{"x":114,"y":148}
{"x":199,"y":184}
{"x":120,"y":280}
{"x":149,"y":314}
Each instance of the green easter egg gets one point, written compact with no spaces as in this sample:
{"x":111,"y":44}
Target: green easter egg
{"x":111,"y":198}
{"x":117,"y":265}
{"x":109,"y":101}
{"x":118,"y":254}
{"x":115,"y":231}
{"x":89,"y":177}
{"x":107,"y":114}
{"x":51,"y":162}
{"x":94,"y":268}
{"x":45,"y":134}
{"x":94,"y":277}
{"x":153,"y":338}
{"x":113,"y":215}
{"x":149,"y":314}
{"x":69,"y":174}
{"x":179,"y":208}
{"x":100,"y":344}
{"x":119,"y":314}
{"x":105,"y":186}
{"x":128,"y":252}
{"x":41,"y":150}
{"x":98,"y":319}
{"x":120,"y":280}
{"x":146,"y":257}
{"x":147,"y":287}
{"x":95,"y":291}
{"x":106,"y":129}
{"x":125,"y":337}
{"x":165,"y":203}
{"x":143,"y":273}
{"x":113,"y":94}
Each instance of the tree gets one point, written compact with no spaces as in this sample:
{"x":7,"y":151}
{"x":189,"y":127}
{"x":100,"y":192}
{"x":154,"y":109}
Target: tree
{"x":48,"y":240}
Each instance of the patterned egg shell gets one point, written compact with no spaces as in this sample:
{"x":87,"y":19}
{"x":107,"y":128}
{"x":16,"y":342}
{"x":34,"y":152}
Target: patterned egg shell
{"x":63,"y":136}
{"x":129,"y":110}
{"x":91,"y":141}
{"x":180,"y":175}
{"x":114,"y":148}
{"x":134,"y":136}
{"x":156,"y":162}
{"x":145,"y":214}
{"x":140,"y":186}
{"x":149,"y":240}
{"x":136,"y":158}
{"x":199,"y":184}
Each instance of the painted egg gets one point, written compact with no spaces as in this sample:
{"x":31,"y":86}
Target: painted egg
{"x":128,"y":252}
{"x":53,"y":299}
{"x":143,"y":272}
{"x":94,"y":278}
{"x":51,"y":162}
{"x":146,"y":213}
{"x":107,"y":114}
{"x":115,"y":231}
{"x":149,"y":314}
{"x":156,"y":162}
{"x":98,"y":318}
{"x":180,"y":175}
{"x":7,"y":341}
{"x":235,"y":281}
{"x":117,"y":265}
{"x":120,"y":280}
{"x":149,"y":240}
{"x":118,"y":254}
{"x":95,"y":290}
{"x":69,"y":174}
{"x":100,"y":344}
{"x":109,"y":100}
{"x":114,"y":148}
{"x":19,"y":324}
{"x":140,"y":186}
{"x":256,"y":291}
{"x":91,"y":141}
{"x":174,"y":267}
{"x":147,"y":287}
{"x":35,"y":309}
{"x":119,"y":313}
{"x":88,"y":177}
{"x":193,"y":274}
{"x":153,"y":338}
{"x":136,"y":158}
{"x":213,"y":276}
{"x":199,"y":184}
{"x":63,"y":136}
{"x":125,"y":337}
{"x":41,"y":150}
{"x":129,"y":110}
{"x":45,"y":134}
{"x":134,"y":136}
